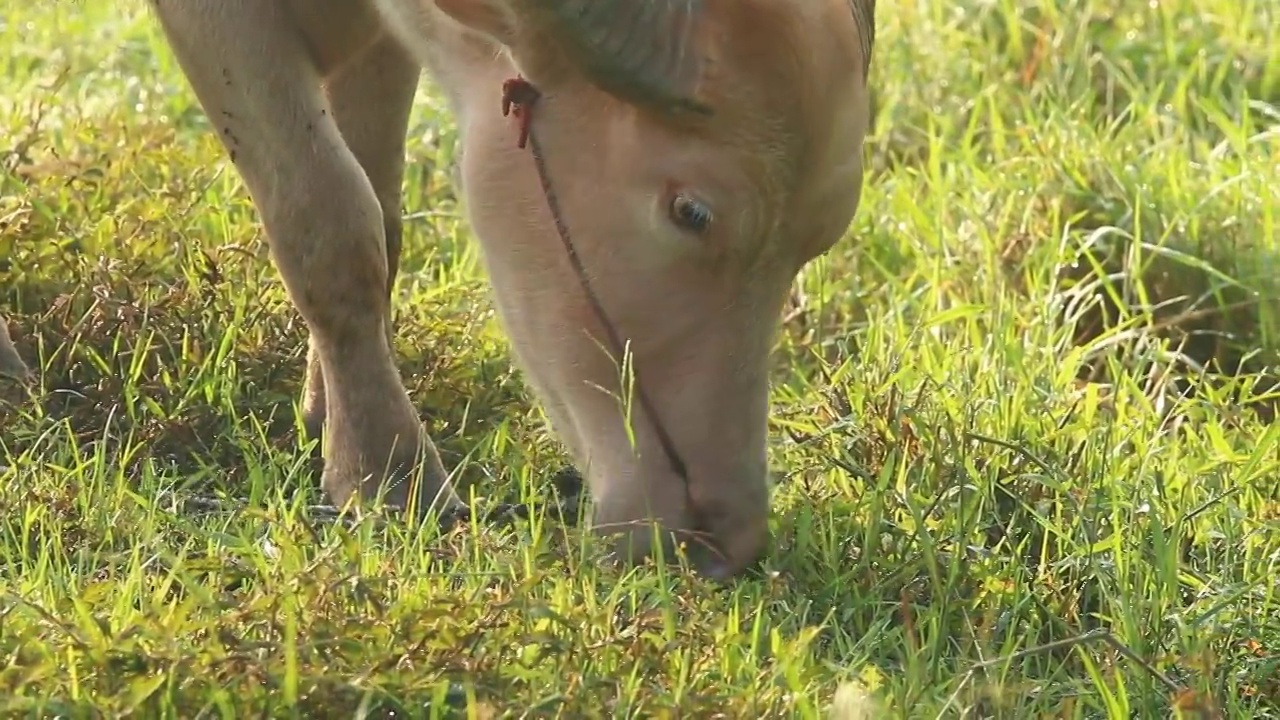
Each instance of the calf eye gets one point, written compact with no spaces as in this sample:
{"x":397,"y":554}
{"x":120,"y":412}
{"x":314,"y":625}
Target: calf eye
{"x":690,"y":213}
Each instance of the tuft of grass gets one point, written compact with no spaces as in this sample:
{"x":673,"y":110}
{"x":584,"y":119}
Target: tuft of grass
{"x":1022,"y":414}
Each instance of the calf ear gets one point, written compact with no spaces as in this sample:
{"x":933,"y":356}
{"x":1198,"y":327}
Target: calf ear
{"x":641,"y":51}
{"x":864,"y":15}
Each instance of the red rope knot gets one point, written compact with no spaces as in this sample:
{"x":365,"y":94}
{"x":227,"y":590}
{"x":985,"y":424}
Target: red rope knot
{"x":520,"y":95}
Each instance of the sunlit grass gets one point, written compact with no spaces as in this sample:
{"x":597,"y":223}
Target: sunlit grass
{"x":1027,"y":400}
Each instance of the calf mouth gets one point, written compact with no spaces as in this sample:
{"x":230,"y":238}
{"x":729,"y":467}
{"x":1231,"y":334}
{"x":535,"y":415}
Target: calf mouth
{"x":711,"y":561}
{"x":702,"y":551}
{"x":699,"y":546}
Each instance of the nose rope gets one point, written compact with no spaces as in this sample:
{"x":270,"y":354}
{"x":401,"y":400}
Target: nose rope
{"x":520,"y":96}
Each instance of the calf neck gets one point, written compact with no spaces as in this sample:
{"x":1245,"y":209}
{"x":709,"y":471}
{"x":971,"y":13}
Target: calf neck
{"x":701,"y":152}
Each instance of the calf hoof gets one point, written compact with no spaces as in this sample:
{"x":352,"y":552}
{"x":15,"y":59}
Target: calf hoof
{"x":413,"y":481}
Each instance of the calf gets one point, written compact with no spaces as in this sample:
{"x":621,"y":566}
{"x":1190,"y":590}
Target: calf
{"x":685,"y":159}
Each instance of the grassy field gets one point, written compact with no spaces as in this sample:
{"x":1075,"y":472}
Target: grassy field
{"x":1022,"y":413}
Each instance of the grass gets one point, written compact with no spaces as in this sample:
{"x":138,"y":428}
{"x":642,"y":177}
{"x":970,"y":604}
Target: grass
{"x":1022,"y":414}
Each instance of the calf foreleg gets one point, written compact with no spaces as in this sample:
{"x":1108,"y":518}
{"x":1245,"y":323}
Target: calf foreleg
{"x":371,"y":97}
{"x":251,"y":71}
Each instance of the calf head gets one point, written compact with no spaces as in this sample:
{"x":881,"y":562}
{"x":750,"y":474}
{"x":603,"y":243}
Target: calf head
{"x":702,"y":152}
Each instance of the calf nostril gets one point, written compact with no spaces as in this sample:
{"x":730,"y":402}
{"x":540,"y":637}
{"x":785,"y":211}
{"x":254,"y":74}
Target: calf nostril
{"x":718,"y":566}
{"x":729,"y":544}
{"x":717,"y":571}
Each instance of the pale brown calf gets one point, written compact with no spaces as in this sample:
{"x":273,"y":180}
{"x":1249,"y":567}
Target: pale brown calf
{"x":702,"y":152}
